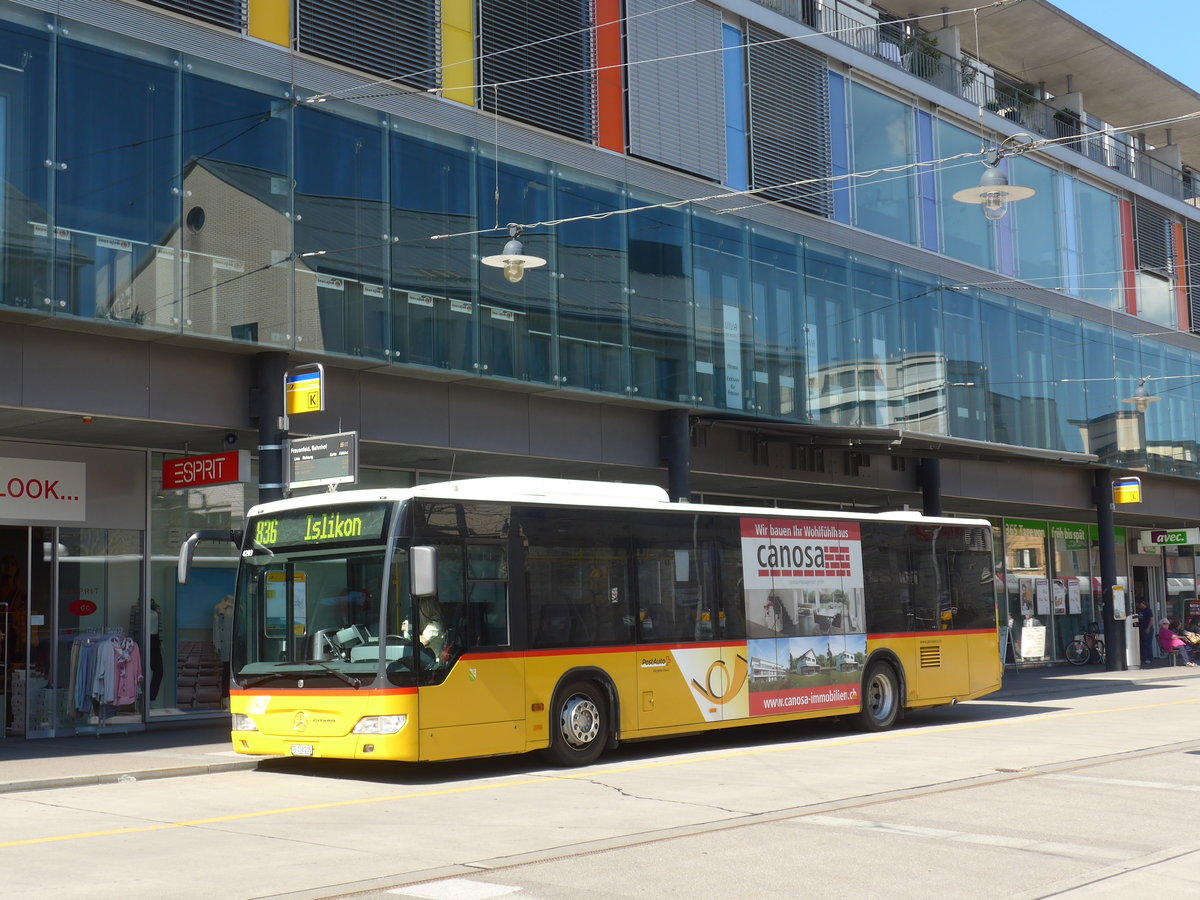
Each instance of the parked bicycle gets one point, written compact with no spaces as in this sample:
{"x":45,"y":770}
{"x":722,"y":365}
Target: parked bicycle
{"x":1087,"y":647}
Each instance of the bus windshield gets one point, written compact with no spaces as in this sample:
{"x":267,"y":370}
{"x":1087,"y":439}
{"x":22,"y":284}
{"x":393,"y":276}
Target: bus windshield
{"x":316,"y":615}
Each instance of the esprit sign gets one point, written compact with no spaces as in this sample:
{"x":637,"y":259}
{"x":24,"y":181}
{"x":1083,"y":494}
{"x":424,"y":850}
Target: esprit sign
{"x":203,"y":471}
{"x":43,"y":490}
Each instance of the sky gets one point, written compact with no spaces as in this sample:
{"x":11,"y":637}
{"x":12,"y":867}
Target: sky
{"x":1159,"y":31}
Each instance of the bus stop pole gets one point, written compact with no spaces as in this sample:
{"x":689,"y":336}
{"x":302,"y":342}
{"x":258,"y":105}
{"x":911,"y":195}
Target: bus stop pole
{"x":1114,"y":631}
{"x":270,"y":373}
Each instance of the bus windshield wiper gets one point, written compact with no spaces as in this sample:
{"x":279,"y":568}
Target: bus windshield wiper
{"x":349,"y":679}
{"x":263,"y":679}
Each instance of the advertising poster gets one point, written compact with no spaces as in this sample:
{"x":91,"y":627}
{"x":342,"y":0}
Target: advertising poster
{"x":1042,"y":591}
{"x":1059,"y":588}
{"x":804,"y":614}
{"x":1074,"y":604}
{"x":1033,"y":642}
{"x":1025,"y":586}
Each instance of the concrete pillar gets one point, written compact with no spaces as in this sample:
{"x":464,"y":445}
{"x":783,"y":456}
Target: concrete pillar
{"x":677,"y":453}
{"x":929,"y":479}
{"x":267,"y":406}
{"x":1114,"y":632}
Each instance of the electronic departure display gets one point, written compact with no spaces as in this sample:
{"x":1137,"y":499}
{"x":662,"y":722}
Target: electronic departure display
{"x":324,"y":526}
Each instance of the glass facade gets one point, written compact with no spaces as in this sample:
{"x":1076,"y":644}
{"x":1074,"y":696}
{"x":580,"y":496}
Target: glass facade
{"x":215,"y":206}
{"x":147,"y":226}
{"x":882,"y":135}
{"x":1052,"y":585}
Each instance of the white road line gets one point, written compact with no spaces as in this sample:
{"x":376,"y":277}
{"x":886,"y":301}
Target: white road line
{"x":455,"y":889}
{"x":1124,"y":782}
{"x":966,"y":837}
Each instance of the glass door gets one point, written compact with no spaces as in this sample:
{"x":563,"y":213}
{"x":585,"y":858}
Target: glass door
{"x":27,"y":652}
{"x":104,"y":663}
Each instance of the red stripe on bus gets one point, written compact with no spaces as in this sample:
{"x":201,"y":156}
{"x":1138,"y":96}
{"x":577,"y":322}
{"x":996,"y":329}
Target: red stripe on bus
{"x":928,"y":634}
{"x":254,"y":692}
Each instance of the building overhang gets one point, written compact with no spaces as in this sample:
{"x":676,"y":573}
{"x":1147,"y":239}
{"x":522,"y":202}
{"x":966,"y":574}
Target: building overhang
{"x":893,"y":440}
{"x":1037,"y":41}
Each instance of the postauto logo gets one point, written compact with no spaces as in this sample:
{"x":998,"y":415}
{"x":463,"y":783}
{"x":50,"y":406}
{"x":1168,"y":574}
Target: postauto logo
{"x":43,"y":490}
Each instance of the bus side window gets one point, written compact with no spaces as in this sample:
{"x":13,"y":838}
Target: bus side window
{"x":576,"y":578}
{"x":487,"y":611}
{"x":487,"y":595}
{"x":672,"y":596}
{"x":887,"y":576}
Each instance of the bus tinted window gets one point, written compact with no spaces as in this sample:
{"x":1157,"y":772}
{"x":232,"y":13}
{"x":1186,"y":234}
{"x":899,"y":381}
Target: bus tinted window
{"x":887,"y":577}
{"x":927,"y":578}
{"x":689,"y":577}
{"x":487,"y":595}
{"x":435,"y":518}
{"x":576,"y":578}
{"x":970,"y":573}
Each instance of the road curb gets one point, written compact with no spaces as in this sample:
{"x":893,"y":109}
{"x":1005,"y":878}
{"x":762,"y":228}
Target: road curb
{"x":70,"y":781}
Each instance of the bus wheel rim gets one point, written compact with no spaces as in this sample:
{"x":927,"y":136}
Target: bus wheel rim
{"x":580,"y":721}
{"x":879,"y":696}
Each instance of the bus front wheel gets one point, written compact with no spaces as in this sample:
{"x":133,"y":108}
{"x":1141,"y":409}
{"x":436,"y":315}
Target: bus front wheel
{"x":579,"y":728}
{"x":881,"y":698}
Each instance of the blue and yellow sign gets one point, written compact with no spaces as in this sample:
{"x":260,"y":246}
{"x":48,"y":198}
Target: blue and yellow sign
{"x":304,"y":390}
{"x":1127,"y":490}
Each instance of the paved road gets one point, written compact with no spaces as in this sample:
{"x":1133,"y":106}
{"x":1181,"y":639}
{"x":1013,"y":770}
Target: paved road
{"x":1089,"y":788}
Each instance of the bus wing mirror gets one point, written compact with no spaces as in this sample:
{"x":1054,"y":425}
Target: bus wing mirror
{"x":188,"y":550}
{"x":423,"y":571}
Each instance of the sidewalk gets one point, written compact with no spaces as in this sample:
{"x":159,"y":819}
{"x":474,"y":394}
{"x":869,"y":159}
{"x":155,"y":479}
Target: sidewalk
{"x":164,"y":751}
{"x":167,"y":751}
{"x":1041,"y":682}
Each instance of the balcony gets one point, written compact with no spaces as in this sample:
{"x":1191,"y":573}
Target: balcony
{"x":875,"y":32}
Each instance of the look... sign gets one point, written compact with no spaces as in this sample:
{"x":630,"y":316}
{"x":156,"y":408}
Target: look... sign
{"x":203,"y":471}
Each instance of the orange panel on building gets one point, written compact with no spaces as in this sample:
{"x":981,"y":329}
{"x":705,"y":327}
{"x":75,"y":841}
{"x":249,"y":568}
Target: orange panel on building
{"x":610,"y":79}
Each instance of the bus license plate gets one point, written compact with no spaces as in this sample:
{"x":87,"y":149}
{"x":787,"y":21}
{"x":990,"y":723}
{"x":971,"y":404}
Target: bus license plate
{"x":302,"y":749}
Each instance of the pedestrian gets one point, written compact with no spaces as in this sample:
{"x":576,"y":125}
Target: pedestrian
{"x":1173,"y":643}
{"x":1145,"y":622}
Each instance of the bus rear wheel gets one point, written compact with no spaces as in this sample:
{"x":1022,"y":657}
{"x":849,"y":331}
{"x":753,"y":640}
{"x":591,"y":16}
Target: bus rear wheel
{"x":880,"y":699}
{"x":579,"y":727}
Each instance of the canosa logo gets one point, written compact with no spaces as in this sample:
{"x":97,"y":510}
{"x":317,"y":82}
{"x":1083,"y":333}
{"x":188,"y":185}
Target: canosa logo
{"x":727,"y":685}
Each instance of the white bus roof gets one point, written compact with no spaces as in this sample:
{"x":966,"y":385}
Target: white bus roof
{"x":569,"y":492}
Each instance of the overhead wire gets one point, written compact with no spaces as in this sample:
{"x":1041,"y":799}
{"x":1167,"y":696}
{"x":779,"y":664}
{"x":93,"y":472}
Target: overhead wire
{"x":345,"y":93}
{"x":1011,"y":151}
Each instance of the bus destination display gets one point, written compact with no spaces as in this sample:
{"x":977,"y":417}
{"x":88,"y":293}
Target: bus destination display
{"x":323,"y":526}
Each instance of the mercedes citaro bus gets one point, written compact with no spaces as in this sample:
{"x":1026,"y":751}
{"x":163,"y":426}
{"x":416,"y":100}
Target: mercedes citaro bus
{"x":506,"y":615}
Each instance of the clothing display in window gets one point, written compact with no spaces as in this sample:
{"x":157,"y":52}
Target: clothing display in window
{"x":106,"y":670}
{"x":156,"y":659}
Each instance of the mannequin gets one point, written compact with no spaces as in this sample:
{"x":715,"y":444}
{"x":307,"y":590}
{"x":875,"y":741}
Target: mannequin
{"x":156,"y":660}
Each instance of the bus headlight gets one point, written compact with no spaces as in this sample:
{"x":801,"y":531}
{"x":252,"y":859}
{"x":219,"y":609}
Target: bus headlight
{"x":243,"y":723}
{"x":380,"y":724}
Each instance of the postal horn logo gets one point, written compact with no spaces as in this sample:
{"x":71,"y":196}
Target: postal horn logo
{"x":727,"y":685}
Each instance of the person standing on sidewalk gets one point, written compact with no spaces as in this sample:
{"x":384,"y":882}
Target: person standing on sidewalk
{"x":1146,"y":630}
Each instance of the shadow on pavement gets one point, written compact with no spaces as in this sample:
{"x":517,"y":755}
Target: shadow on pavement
{"x":160,"y":738}
{"x":629,"y":753}
{"x":1025,"y":688}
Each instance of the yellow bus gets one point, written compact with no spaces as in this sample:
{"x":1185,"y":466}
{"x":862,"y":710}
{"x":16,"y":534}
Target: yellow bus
{"x":506,"y":615}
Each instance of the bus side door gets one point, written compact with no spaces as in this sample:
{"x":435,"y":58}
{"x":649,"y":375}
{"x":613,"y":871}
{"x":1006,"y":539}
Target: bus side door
{"x":477,"y":706}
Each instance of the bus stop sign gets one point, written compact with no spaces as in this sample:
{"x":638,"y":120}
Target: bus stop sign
{"x":304,"y":389}
{"x":1127,"y":490}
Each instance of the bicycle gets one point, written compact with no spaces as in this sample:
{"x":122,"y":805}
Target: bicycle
{"x":1086,"y":647}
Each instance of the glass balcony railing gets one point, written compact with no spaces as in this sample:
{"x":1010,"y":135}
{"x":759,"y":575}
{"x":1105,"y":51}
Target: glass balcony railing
{"x":873,"y":32}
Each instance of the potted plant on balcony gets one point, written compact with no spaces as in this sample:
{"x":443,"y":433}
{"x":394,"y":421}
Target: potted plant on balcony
{"x":921,"y":55}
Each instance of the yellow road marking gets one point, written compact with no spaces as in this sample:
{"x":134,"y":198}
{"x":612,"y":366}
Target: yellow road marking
{"x":733,"y":754}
